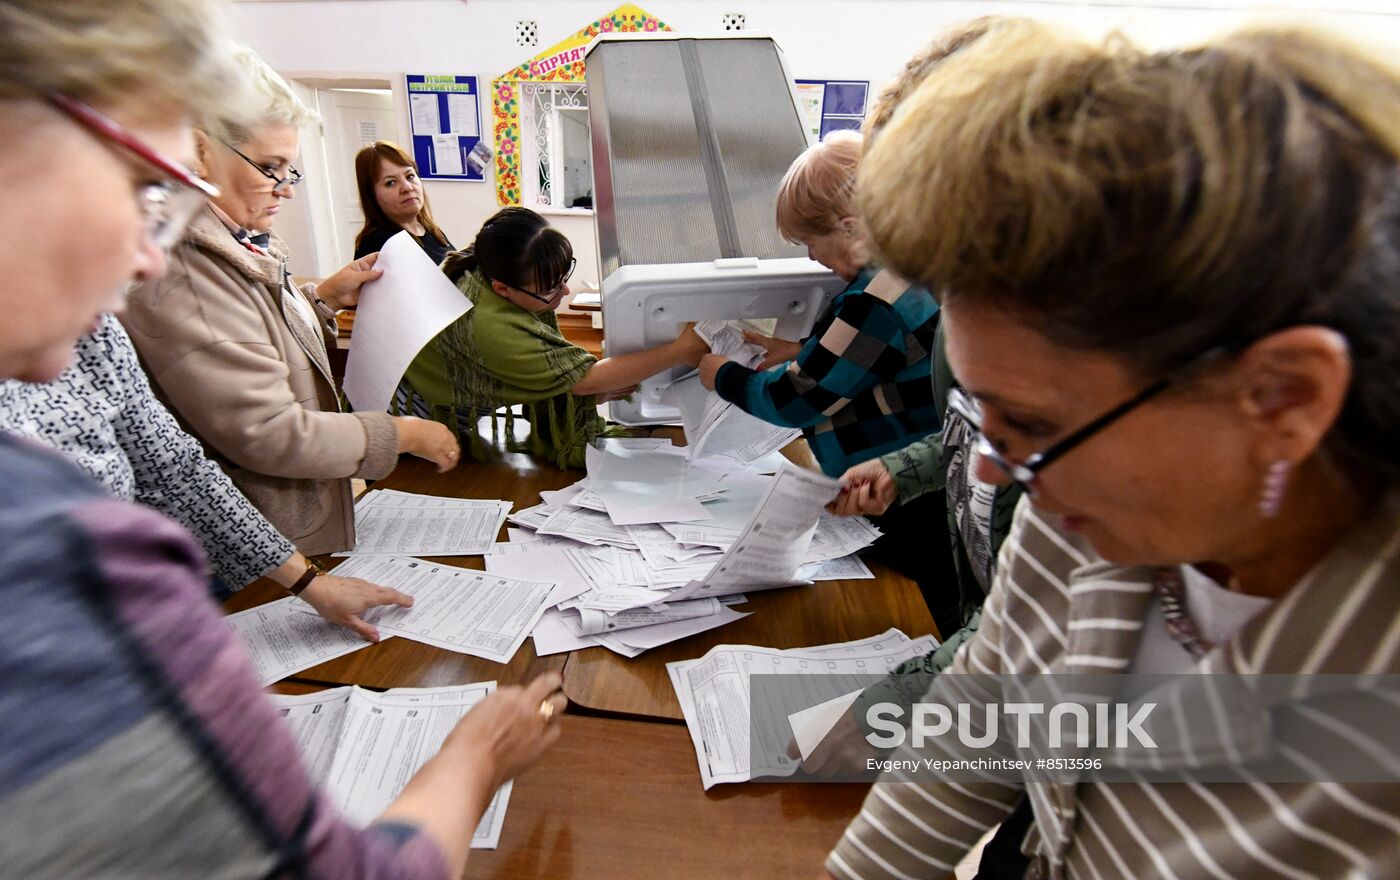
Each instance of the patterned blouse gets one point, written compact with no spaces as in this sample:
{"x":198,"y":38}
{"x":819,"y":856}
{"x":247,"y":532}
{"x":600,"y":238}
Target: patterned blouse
{"x":102,"y":414}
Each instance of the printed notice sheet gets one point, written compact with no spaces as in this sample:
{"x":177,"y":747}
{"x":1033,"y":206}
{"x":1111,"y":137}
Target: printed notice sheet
{"x":363,"y":747}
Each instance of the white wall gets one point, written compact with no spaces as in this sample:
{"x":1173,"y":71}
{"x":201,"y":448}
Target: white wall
{"x":823,"y":39}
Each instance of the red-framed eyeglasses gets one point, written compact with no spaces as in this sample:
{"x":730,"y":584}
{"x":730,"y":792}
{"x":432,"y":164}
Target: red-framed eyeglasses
{"x":167,"y":206}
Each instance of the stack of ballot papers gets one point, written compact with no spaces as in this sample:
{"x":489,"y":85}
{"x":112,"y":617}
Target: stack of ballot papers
{"x":457,"y":609}
{"x":714,"y":693}
{"x":362,"y":747}
{"x":713,"y":426}
{"x":654,"y":546}
{"x":393,"y":523}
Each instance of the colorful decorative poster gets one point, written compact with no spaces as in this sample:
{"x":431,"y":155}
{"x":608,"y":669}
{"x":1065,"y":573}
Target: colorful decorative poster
{"x":562,"y":63}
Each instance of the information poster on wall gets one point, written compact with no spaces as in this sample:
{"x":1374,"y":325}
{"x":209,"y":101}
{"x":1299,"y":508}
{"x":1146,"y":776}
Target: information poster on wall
{"x":445,"y":116}
{"x":831,"y":105}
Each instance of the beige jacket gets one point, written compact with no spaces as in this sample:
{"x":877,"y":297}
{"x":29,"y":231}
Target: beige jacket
{"x":242,"y":369}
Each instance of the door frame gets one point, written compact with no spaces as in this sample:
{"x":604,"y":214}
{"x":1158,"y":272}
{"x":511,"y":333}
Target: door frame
{"x":320,"y":214}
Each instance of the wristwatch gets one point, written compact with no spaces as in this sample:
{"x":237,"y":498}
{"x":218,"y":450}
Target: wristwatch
{"x":312,"y":569}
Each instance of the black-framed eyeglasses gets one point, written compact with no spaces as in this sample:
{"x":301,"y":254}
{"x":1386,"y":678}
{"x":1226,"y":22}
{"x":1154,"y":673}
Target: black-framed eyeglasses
{"x":279,"y":184}
{"x":1024,"y":473}
{"x":555,"y":291}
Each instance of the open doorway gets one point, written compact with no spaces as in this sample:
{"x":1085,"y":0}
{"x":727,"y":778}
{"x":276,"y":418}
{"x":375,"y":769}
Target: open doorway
{"x":320,"y":224}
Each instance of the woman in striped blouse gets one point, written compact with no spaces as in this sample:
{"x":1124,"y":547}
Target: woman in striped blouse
{"x":1173,"y":298}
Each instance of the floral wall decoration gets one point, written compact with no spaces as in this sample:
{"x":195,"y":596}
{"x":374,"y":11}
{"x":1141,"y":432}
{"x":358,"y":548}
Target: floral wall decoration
{"x":563,"y":63}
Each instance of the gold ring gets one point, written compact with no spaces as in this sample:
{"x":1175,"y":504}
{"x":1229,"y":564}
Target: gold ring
{"x":546,"y":711}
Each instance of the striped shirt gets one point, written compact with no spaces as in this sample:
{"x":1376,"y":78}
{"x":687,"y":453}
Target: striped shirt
{"x":859,"y":386}
{"x":135,"y":742}
{"x":1056,"y":607}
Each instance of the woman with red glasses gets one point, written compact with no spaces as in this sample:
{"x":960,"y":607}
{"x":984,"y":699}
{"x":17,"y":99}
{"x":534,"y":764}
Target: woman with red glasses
{"x":134,"y":738}
{"x":508,"y":350}
{"x":239,"y":352}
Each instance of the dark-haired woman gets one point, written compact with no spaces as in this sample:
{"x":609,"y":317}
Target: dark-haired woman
{"x":507,"y":350}
{"x":393,"y":200}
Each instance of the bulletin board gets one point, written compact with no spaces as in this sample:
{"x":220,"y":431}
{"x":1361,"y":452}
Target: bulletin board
{"x":562,"y":63}
{"x":831,"y":105}
{"x":444,"y":115}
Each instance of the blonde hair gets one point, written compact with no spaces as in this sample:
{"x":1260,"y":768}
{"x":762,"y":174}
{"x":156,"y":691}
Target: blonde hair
{"x":271,"y":101}
{"x":110,"y":53}
{"x":816,"y":192}
{"x":1155,"y":205}
{"x":952,"y":39}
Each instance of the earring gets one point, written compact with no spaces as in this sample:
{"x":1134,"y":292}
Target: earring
{"x":1275,"y":482}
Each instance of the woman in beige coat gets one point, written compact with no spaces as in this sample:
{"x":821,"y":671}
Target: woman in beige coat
{"x":239,"y":352}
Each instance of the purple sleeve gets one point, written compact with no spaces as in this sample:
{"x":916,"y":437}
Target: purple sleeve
{"x":155,"y":576}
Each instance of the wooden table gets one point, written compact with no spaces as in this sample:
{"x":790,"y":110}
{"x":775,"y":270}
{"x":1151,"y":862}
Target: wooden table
{"x":622,"y":799}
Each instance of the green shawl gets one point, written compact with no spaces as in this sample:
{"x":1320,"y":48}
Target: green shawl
{"x":499,"y":355}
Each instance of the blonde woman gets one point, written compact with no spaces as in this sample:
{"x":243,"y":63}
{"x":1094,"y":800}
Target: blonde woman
{"x":1172,"y":298}
{"x":239,"y":352}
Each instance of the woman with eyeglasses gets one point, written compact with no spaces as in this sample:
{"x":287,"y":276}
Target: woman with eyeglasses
{"x":393,"y":200}
{"x":239,"y":352}
{"x":1172,"y":299}
{"x":135,"y":740}
{"x":508,"y":350}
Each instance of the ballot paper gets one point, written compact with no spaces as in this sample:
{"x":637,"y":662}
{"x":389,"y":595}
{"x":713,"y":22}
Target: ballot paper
{"x":845,"y":568}
{"x":587,"y":526}
{"x":714,"y":695}
{"x":393,"y":523}
{"x":282,"y":640}
{"x":399,"y":312}
{"x":712,"y":425}
{"x":838,"y":536}
{"x":457,"y":609}
{"x":657,"y":485}
{"x":773,"y":546}
{"x":363,"y":747}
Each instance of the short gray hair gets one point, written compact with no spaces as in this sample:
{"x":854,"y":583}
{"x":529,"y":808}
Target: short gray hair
{"x":270,"y":102}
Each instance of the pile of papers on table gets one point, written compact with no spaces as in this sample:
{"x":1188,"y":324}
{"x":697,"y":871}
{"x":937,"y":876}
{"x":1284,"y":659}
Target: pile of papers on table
{"x":342,"y":731}
{"x":714,"y":693}
{"x":654,"y":546}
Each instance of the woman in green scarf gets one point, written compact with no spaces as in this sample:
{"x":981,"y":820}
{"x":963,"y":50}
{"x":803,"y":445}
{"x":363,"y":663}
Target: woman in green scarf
{"x":508,"y":350}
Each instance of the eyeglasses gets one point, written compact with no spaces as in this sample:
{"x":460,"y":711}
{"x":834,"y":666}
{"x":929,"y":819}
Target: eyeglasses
{"x":554,"y":292}
{"x":168,"y":206}
{"x":279,"y":184}
{"x":1023,"y":474}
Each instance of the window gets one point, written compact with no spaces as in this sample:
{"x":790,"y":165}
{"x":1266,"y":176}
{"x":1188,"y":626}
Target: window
{"x":557,"y":168}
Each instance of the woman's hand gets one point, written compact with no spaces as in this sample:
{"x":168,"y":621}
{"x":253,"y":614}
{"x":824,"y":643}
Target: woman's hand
{"x":776,"y":350}
{"x":509,"y":730}
{"x":617,"y":393}
{"x":866,"y":488}
{"x":341,"y":600}
{"x":430,"y":440}
{"x":690,"y":346}
{"x":709,"y":368}
{"x":342,"y":290}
